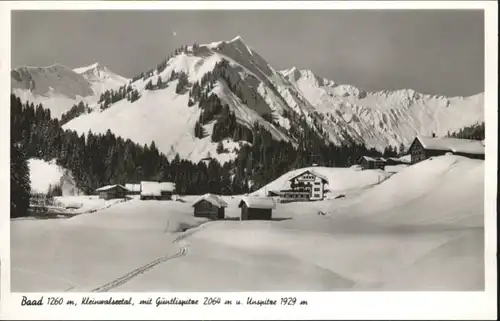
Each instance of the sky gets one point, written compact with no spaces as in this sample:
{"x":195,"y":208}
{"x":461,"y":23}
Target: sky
{"x":433,"y":52}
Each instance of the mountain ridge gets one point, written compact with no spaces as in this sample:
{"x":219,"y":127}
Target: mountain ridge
{"x":287,"y":103}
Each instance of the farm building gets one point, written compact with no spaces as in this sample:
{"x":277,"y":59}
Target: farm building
{"x":210,"y":206}
{"x":133,"y":189}
{"x":425,"y":147}
{"x":308,"y":185}
{"x":112,"y":191}
{"x":157,"y":190}
{"x":368,"y":162}
{"x":256,"y":208}
{"x":398,"y":161}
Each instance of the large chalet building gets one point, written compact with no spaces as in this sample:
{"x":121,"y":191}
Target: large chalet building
{"x":425,"y":147}
{"x":307,"y":186}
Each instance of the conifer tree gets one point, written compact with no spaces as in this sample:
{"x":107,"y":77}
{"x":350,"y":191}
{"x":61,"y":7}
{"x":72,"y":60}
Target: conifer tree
{"x":19,"y":181}
{"x":220,"y":148}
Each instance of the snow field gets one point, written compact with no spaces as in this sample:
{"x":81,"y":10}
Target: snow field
{"x":420,"y":229}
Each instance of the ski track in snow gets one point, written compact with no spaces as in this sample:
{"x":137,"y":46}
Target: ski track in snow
{"x":183,"y":251}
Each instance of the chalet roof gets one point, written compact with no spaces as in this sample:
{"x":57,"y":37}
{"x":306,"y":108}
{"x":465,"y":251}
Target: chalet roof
{"x":213,"y":199}
{"x":312,"y":173}
{"x":402,"y":159}
{"x":258,"y":202}
{"x":455,"y":145}
{"x":156,"y":188}
{"x":110,"y":187}
{"x":133,"y":187}
{"x":374,"y":159}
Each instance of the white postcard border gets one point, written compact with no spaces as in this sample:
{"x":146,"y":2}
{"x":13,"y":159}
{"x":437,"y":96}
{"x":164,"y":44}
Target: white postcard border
{"x":321,"y":305}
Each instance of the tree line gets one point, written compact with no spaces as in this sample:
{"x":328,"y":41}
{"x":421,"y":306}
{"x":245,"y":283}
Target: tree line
{"x":473,"y":132}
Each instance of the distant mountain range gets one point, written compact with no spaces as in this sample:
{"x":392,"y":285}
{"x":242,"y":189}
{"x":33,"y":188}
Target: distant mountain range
{"x":284,"y":102}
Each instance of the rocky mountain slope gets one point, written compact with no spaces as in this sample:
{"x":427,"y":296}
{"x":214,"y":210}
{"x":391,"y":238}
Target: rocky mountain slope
{"x":180,"y":104}
{"x":58,"y":87}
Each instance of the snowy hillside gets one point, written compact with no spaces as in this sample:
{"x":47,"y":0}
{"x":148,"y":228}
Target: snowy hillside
{"x":429,"y":192}
{"x":58,"y":88}
{"x":285,"y":103}
{"x":420,"y":229}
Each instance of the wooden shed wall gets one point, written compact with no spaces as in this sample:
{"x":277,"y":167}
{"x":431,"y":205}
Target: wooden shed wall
{"x":255,"y":213}
{"x":208,"y":210}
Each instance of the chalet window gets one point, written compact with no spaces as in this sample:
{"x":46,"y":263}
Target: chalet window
{"x":317,"y":189}
{"x":316,"y":195}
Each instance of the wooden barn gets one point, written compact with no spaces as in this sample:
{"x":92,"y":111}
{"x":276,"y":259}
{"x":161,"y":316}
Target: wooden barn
{"x":157,"y":190}
{"x":133,"y":189}
{"x":257,"y":208}
{"x":112,"y":191}
{"x":308,"y":185}
{"x":425,"y":147}
{"x":210,"y":206}
{"x":368,"y":162}
{"x":391,"y":161}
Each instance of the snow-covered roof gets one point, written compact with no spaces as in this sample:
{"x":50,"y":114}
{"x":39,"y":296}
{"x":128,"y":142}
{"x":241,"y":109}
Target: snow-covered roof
{"x":402,"y":159}
{"x":109,"y":187}
{"x":312,"y":173}
{"x":133,"y":187}
{"x":167,"y":186}
{"x":259,"y":202}
{"x":155,"y":188}
{"x":455,"y":145}
{"x":374,"y":159}
{"x":212,"y":199}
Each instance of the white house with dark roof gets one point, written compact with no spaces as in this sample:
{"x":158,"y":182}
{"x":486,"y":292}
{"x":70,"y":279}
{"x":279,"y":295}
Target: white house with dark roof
{"x":424,"y":147}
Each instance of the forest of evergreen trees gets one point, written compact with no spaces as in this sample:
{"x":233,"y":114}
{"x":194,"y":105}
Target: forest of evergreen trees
{"x":75,"y":111}
{"x":474,"y":132}
{"x":100,"y":159}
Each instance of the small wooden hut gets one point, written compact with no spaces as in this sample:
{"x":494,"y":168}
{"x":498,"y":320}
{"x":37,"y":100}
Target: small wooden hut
{"x":210,"y":206}
{"x":256,"y":208}
{"x":368,"y":162}
{"x":112,"y":191}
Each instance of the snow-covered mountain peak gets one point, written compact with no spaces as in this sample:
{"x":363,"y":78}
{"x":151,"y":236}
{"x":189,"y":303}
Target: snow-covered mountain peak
{"x":101,"y":77}
{"x":59,"y":87}
{"x":237,"y":38}
{"x":55,"y":79}
{"x":94,"y":66}
{"x":283,"y":102}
